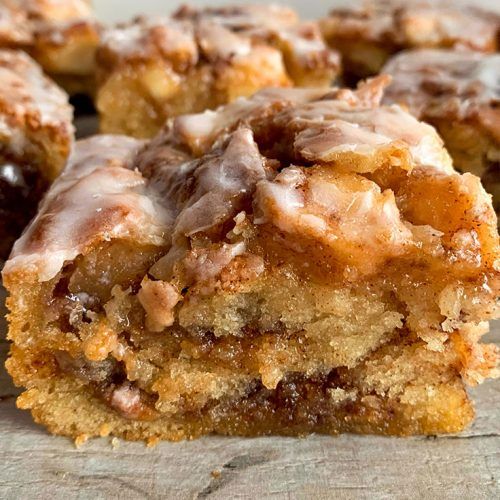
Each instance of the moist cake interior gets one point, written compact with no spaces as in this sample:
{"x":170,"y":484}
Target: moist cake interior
{"x":301,"y":261}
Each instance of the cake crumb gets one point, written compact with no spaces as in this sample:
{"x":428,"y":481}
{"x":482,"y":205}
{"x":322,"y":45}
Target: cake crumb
{"x":104,"y":430}
{"x":215,"y":474}
{"x":339,"y":395}
{"x":80,"y":440}
{"x":115,"y":443}
{"x":152,"y":441}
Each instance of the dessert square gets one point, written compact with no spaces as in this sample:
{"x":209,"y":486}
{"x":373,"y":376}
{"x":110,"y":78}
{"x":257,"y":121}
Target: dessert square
{"x":61,"y":35}
{"x":458,"y":93}
{"x":155,"y":68}
{"x":300,"y":261}
{"x":368,"y":33}
{"x":36,"y":135}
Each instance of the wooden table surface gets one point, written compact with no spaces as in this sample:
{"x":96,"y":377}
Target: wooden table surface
{"x":34,"y":464}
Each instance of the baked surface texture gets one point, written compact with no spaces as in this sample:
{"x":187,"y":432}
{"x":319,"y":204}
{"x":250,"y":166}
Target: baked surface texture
{"x":369,"y":32}
{"x":62,"y":35}
{"x":155,"y":68}
{"x":36,"y":135}
{"x":458,"y":92}
{"x":298,"y":261}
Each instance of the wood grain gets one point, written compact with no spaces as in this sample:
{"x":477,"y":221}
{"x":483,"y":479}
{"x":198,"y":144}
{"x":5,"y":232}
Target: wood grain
{"x":34,"y":464}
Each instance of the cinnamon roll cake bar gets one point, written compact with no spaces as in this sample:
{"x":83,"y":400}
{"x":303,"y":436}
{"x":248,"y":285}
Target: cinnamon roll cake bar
{"x":36,"y":134}
{"x":155,"y":68}
{"x":62,"y":35}
{"x":367,"y":33}
{"x":458,"y":92}
{"x":298,"y":261}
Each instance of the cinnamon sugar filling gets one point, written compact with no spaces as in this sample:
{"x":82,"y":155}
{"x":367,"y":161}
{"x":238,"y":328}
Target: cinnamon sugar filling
{"x":258,"y":340}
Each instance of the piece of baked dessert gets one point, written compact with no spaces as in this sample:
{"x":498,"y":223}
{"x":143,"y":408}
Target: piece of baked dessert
{"x":457,"y":92}
{"x":367,"y":33}
{"x":61,"y":35}
{"x":35,"y":140}
{"x":155,"y":68}
{"x":299,"y":261}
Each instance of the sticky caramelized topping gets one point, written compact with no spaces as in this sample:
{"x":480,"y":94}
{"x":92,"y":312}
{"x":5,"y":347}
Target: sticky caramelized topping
{"x":332,"y":168}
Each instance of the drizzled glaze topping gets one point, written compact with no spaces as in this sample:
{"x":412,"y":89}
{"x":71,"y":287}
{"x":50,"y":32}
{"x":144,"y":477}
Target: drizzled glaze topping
{"x":447,"y":84}
{"x":324,"y":124}
{"x":329,"y":173}
{"x":98,"y":197}
{"x":217,"y":34}
{"x":416,"y":23}
{"x":14,"y":30}
{"x":147,"y":37}
{"x":24,"y":90}
{"x":22,"y":20}
{"x":29,"y":100}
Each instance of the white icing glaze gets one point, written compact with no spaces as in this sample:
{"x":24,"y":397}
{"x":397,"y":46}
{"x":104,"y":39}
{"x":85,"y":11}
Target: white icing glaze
{"x":304,"y":41}
{"x":100,"y":196}
{"x":220,"y":182}
{"x":200,"y":130}
{"x":139,"y":39}
{"x":216,"y":41}
{"x":265,"y":22}
{"x":249,"y":17}
{"x":29,"y":102}
{"x":446,"y":84}
{"x":346,"y":214}
{"x":363,"y":131}
{"x":437,"y":75}
{"x":204,"y":265}
{"x":14,"y":29}
{"x":25,"y":90}
{"x":22,"y":20}
{"x":97,"y":198}
{"x":325,"y":123}
{"x":444,"y":22}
